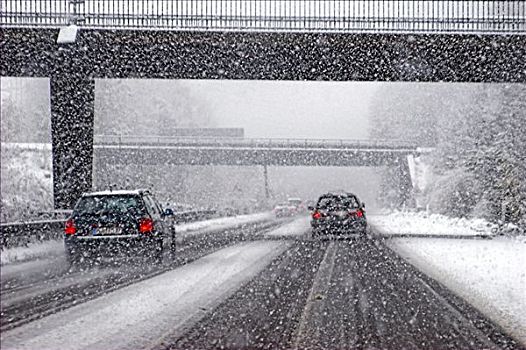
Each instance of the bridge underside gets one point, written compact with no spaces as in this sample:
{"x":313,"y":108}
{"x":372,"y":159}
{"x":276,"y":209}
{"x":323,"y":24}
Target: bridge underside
{"x":264,"y":56}
{"x":102,"y":54}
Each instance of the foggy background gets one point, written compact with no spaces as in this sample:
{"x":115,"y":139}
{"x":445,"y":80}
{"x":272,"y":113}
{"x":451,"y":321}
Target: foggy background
{"x":263,"y":110}
{"x":468,"y":125}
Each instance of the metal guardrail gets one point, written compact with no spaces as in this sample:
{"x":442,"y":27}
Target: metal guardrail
{"x":430,"y":16}
{"x":193,"y":215}
{"x":128,"y":140}
{"x":22,"y":233}
{"x":19,"y":234}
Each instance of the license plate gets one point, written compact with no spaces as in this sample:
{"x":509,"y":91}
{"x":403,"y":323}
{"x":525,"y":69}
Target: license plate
{"x":107,"y":231}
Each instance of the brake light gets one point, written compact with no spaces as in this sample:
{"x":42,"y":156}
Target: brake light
{"x":145,"y":225}
{"x":69,"y":227}
{"x":316,"y":215}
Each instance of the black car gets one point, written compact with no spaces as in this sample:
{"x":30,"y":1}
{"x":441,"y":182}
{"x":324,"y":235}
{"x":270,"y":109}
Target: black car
{"x":338,"y":214}
{"x":110,"y":223}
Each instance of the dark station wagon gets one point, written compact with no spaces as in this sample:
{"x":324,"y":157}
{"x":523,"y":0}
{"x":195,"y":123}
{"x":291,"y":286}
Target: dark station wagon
{"x":338,"y":214}
{"x":112,"y":223}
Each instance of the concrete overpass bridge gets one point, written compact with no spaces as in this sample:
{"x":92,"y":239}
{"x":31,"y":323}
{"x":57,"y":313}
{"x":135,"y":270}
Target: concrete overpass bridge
{"x":251,"y":152}
{"x":330,"y":40}
{"x":180,"y":151}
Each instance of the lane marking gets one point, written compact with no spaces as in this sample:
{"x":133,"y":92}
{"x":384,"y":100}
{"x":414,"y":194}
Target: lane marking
{"x":310,"y":320}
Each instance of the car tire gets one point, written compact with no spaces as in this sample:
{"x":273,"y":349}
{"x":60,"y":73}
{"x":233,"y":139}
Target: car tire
{"x":362,"y":234}
{"x":158,"y":255}
{"x":73,"y":258}
{"x":173,"y":248}
{"x":154,"y":252}
{"x":173,"y":244}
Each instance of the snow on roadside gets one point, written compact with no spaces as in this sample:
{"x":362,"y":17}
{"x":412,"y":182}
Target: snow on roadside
{"x":26,"y":181}
{"x":32,"y":251}
{"x":489,"y":274}
{"x":204,"y":226}
{"x":138,"y":316}
{"x":297,"y":227}
{"x":422,"y":223}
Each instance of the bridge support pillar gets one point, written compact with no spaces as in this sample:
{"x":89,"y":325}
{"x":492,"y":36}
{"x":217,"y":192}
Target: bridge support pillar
{"x":406,"y":185}
{"x":265,"y":174}
{"x":72,"y":115}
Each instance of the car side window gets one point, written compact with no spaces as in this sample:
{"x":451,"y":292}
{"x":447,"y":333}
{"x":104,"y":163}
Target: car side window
{"x":159,"y":207}
{"x":354,"y":202}
{"x":150,"y":205}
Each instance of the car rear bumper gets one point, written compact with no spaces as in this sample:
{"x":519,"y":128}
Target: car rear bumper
{"x":337,"y":227}
{"x":111,"y":245}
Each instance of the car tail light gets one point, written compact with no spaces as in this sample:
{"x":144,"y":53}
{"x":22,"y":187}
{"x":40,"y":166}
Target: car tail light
{"x":316,"y":215}
{"x":357,"y":213}
{"x":145,"y":225}
{"x":69,"y":227}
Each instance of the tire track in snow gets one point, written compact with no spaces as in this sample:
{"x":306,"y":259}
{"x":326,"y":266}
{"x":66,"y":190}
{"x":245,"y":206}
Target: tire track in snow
{"x":138,"y":315}
{"x":52,"y":300}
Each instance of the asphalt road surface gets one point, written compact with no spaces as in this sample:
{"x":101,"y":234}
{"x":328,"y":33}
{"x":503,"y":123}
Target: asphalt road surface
{"x":344,"y":294}
{"x":314,"y":294}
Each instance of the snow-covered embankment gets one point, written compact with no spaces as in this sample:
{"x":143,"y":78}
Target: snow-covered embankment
{"x":488,"y":273}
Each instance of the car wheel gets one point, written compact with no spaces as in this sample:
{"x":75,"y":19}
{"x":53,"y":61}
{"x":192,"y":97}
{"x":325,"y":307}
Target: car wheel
{"x":73,"y":259}
{"x":173,"y":244}
{"x":154,"y":252}
{"x":158,"y":255}
{"x":363,"y":233}
{"x":173,"y":247}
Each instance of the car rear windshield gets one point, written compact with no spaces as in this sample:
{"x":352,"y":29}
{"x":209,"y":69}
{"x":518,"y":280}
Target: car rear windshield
{"x":118,"y":204}
{"x":338,"y":203}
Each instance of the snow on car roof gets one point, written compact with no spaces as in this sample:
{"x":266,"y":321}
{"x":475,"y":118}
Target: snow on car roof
{"x":114,"y":192}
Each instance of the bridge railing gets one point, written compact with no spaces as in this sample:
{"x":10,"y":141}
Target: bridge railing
{"x":483,"y":16}
{"x":148,"y":141}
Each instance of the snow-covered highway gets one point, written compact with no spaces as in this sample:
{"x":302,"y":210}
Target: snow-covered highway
{"x":259,"y":283}
{"x":33,"y":289}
